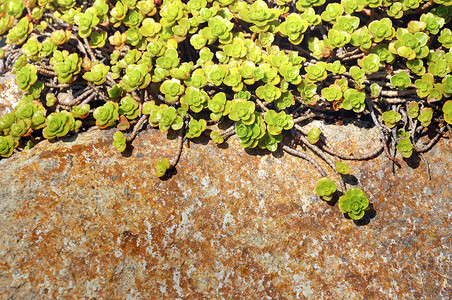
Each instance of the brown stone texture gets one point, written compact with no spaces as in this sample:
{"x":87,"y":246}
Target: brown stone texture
{"x":81,"y":221}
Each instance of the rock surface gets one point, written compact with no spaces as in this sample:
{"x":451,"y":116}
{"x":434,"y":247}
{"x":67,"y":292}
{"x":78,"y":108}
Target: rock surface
{"x":9,"y":93}
{"x":81,"y":221}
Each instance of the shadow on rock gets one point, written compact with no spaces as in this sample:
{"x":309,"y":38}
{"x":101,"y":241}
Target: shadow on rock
{"x":129,"y":151}
{"x":413,"y":161}
{"x":169,"y":174}
{"x":370,"y":214}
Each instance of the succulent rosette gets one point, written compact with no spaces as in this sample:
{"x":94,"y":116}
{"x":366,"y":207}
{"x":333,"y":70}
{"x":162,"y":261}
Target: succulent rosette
{"x":58,"y":124}
{"x":326,"y":188}
{"x":97,"y":74}
{"x":26,"y":77}
{"x":137,"y":76}
{"x":119,"y":141}
{"x":7,"y":145}
{"x":86,"y":22}
{"x":354,"y":203}
{"x":106,"y":115}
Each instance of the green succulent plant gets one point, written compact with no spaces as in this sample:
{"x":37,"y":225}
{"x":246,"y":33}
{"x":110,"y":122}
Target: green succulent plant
{"x":198,"y":79}
{"x":314,"y":135}
{"x":447,"y":110}
{"x":425,"y":116}
{"x":172,"y":89}
{"x":220,"y":107}
{"x":370,"y":63}
{"x":161,"y":167}
{"x":447,"y":85}
{"x":169,"y":60}
{"x":382,"y":50}
{"x":98,"y":39}
{"x":80,"y":112}
{"x":410,"y":4}
{"x":434,"y":22}
{"x":216,"y":137}
{"x":270,"y":142}
{"x":7,"y":145}
{"x":26,"y":77}
{"x":291,"y":73}
{"x":382,"y":29}
{"x":219,"y":28}
{"x":332,"y":12}
{"x":286,"y":100}
{"x":20,"y":128}
{"x":316,"y":72}
{"x":409,"y":45}
{"x":66,"y":65}
{"x":234,"y":79}
{"x":268,"y":92}
{"x":106,"y":115}
{"x":332,"y":93}
{"x":119,"y":141}
{"x":58,"y":124}
{"x":401,"y":80}
{"x":86,"y":21}
{"x":195,"y":98}
{"x":293,"y":28}
{"x":6,"y":121}
{"x":375,"y":90}
{"x":27,"y":110}
{"x":195,"y":128}
{"x":354,"y":100}
{"x":97,"y":74}
{"x":260,"y":15}
{"x":167,"y":118}
{"x":250,"y":134}
{"x":242,"y":110}
{"x":347,"y":24}
{"x":217,"y":73}
{"x":439,"y":68}
{"x":391,"y":118}
{"x":337,"y":38}
{"x":396,"y":10}
{"x":413,"y":109}
{"x":416,"y":66}
{"x":137,"y":76}
{"x":445,"y":38}
{"x":236,"y":48}
{"x":32,"y":48}
{"x":342,"y":168}
{"x":359,"y":76}
{"x":318,"y":48}
{"x":405,"y":147}
{"x":306,"y":4}
{"x":129,"y":107}
{"x":133,"y":19}
{"x":308,"y":92}
{"x":171,"y":12}
{"x":336,"y":67}
{"x":354,"y":203}
{"x":326,"y":188}
{"x":277,"y":122}
{"x":19,"y":33}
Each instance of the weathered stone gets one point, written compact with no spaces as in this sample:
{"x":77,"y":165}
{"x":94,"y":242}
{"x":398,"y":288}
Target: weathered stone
{"x":80,"y":220}
{"x":9,"y":94}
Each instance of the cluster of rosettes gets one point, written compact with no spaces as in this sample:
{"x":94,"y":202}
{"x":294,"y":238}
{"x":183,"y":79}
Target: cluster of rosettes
{"x":187,"y":64}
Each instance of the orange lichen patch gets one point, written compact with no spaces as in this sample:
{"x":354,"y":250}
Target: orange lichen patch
{"x":84,"y":221}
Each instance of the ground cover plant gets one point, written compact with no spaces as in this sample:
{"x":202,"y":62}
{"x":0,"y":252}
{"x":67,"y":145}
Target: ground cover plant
{"x":265,"y":68}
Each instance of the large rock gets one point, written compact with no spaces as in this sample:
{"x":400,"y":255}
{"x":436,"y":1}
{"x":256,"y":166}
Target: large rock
{"x":79,"y":220}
